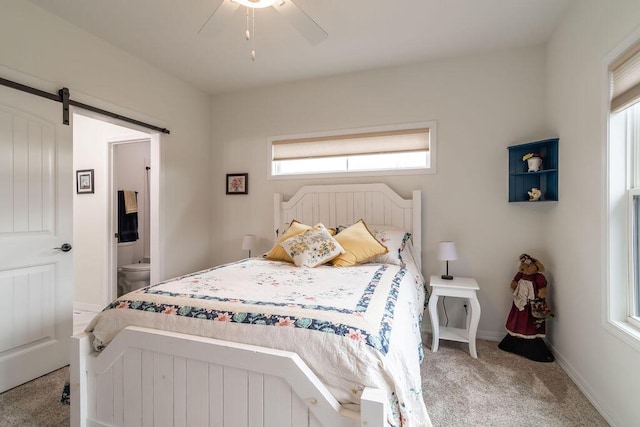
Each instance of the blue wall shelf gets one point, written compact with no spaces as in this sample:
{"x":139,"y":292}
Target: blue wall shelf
{"x":546,"y":179}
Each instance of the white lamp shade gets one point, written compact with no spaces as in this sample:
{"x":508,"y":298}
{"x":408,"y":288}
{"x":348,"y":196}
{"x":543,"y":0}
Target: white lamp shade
{"x":249,"y":242}
{"x":447,"y":251}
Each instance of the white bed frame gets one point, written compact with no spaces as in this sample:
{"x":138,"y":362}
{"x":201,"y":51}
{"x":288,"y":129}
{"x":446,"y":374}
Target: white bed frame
{"x":150,"y":377}
{"x":335,"y":205}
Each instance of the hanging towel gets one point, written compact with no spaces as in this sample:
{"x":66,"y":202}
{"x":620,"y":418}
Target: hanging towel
{"x":130,"y":201}
{"x":127,"y":223}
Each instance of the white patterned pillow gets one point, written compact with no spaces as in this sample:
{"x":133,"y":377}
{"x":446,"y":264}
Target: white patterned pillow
{"x":394,"y":239}
{"x":312,"y":247}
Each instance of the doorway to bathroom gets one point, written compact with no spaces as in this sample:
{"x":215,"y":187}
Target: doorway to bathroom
{"x":119,"y":158}
{"x":129,"y":208}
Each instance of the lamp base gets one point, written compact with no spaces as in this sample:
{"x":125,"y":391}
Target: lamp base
{"x":446,"y":277}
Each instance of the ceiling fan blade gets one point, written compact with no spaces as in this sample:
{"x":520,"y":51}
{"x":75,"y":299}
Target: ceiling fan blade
{"x":219,"y":18}
{"x":301,"y":21}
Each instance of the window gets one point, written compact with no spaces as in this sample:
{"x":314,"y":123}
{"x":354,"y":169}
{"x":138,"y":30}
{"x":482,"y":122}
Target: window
{"x":624,"y":194}
{"x":631,"y":118}
{"x":371,"y":151}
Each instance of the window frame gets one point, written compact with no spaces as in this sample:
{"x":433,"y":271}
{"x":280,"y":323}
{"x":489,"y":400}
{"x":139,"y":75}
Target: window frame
{"x":633,"y":234}
{"x":431,"y":125}
{"x":618,"y":266}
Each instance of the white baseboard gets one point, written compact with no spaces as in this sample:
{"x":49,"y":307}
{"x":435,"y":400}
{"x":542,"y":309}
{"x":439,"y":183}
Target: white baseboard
{"x":490,"y":335}
{"x":84,"y":306}
{"x":589,"y":393}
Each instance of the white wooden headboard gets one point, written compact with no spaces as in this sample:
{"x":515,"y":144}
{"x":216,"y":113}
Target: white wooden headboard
{"x":344,"y":204}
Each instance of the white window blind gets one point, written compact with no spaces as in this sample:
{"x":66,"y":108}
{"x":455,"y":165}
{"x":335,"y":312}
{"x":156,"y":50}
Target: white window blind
{"x":385,"y":142}
{"x":625,"y":79}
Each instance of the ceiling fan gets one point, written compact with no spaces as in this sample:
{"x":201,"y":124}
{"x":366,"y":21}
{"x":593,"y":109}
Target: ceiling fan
{"x":293,"y":13}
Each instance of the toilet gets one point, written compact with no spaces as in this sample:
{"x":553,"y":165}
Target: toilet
{"x":134,"y":276}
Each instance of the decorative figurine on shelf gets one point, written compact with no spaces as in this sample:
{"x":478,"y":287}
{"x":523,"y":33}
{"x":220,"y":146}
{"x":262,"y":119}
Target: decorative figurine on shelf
{"x":534,"y":194}
{"x":534,"y":161}
{"x":529,"y":311}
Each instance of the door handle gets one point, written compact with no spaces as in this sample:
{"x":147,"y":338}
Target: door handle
{"x":65,"y":247}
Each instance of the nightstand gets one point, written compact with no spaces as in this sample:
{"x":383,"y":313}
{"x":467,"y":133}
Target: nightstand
{"x":459,"y":287}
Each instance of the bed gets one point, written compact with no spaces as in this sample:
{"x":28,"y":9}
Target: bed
{"x":163,"y":356}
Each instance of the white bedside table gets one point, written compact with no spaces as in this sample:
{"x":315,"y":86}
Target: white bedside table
{"x":459,"y":287}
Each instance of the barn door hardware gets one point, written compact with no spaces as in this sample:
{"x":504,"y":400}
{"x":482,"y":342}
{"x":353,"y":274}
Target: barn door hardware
{"x":63,"y":96}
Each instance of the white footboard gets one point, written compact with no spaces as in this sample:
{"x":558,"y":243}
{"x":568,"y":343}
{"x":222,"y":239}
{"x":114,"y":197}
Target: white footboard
{"x":150,"y":377}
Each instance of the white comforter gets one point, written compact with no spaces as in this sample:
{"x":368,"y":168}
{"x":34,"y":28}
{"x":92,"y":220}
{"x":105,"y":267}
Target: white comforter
{"x":355,"y":327}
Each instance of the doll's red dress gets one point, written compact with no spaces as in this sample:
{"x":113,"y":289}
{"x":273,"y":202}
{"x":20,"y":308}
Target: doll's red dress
{"x":521,"y":322}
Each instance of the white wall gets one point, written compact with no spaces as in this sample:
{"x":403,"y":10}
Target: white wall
{"x":605,"y":366}
{"x":481,"y":104}
{"x":91,"y":211}
{"x":36,"y":44}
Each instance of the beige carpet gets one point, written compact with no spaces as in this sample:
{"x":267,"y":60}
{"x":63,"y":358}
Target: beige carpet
{"x":500,"y":389}
{"x":36,"y":403}
{"x":497,"y":389}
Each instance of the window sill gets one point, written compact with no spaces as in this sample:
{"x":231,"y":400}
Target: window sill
{"x":625,"y":331}
{"x":634,"y":322}
{"x":431,"y":170}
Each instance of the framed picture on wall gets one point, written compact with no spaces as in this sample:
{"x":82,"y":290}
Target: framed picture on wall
{"x":84,"y":181}
{"x":237,"y":183}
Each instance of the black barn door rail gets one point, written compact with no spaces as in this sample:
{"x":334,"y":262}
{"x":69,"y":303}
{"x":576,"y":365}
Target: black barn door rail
{"x":63,"y":97}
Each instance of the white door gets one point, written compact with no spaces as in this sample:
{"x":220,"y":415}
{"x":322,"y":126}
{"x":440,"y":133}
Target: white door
{"x":36,"y":187}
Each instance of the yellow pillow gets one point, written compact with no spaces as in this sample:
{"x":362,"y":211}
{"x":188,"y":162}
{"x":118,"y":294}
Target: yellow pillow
{"x":277,"y":253}
{"x":359,"y":245}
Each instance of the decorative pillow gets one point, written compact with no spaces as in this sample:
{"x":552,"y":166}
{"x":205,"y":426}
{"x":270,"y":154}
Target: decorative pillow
{"x":394,"y":239}
{"x":296,"y":227}
{"x":277,"y":253}
{"x":312,"y":247}
{"x":359,"y":244}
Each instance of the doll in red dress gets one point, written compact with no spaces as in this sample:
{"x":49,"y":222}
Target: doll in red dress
{"x":529,"y":311}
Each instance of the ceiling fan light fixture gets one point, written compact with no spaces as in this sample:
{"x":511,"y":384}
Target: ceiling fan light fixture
{"x":287,"y":8}
{"x":257,"y":4}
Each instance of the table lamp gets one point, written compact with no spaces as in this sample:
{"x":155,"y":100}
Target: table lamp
{"x":249,"y":243}
{"x":447,"y":252}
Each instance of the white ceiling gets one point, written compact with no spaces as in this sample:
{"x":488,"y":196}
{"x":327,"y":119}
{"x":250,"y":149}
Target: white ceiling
{"x":363,"y":34}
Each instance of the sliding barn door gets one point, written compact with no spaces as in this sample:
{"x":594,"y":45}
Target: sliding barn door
{"x":36,"y":187}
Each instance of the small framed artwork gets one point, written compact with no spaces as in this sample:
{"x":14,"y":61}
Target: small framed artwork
{"x":84,"y":181}
{"x":237,"y":183}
